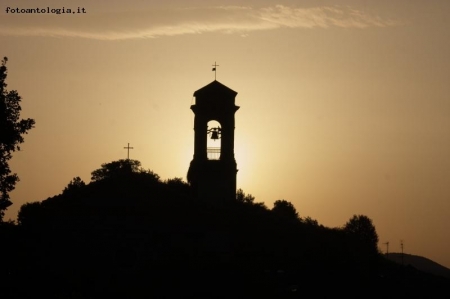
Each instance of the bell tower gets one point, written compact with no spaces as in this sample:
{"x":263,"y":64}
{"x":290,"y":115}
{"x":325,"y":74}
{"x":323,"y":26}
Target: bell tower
{"x":212,"y":172}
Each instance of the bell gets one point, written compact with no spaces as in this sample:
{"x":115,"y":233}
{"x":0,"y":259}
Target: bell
{"x":214,"y":135}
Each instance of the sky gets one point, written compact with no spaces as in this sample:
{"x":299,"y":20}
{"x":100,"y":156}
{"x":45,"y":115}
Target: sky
{"x":345,"y":105}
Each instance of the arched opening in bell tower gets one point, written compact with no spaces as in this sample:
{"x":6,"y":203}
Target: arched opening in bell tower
{"x":214,"y":140}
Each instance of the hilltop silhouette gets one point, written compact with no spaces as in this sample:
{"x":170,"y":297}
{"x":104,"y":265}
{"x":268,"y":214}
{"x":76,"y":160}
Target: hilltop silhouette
{"x":420,"y":263}
{"x":129,"y":234}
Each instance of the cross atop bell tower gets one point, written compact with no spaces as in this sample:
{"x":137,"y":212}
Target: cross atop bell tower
{"x":212,"y":172}
{"x":215,"y":65}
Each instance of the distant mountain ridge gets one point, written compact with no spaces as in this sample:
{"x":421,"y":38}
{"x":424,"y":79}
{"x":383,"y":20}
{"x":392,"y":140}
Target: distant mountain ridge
{"x":420,"y":263}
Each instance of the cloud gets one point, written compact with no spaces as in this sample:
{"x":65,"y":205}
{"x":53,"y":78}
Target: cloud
{"x":322,"y":17}
{"x":159,"y":23}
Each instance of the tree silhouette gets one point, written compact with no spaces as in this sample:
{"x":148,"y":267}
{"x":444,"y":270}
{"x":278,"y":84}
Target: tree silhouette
{"x":30,"y":212}
{"x":74,"y":185}
{"x":116,"y":168}
{"x":176,"y":182}
{"x":244,"y":198}
{"x":362,"y":228}
{"x":285,"y":209}
{"x":310,"y":221}
{"x":178,"y":185}
{"x":11,"y":133}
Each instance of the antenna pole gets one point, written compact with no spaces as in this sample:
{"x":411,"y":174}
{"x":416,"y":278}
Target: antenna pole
{"x":401,"y":245}
{"x":387,"y":248}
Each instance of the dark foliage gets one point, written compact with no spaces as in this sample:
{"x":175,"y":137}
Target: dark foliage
{"x":135,"y":236}
{"x":74,"y":185}
{"x":362,"y":228}
{"x":241,"y":197}
{"x":11,"y":131}
{"x":117,"y":169}
{"x":285,"y":210}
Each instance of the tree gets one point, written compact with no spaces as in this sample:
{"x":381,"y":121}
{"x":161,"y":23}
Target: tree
{"x":123,"y":168}
{"x":30,"y":213}
{"x":362,"y":228}
{"x":177,"y":184}
{"x":74,"y":185}
{"x":310,"y":221}
{"x":116,"y":168}
{"x":285,"y":209}
{"x":244,"y":198}
{"x":11,"y":131}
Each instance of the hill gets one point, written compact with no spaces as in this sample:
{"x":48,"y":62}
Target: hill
{"x":129,"y":234}
{"x":420,"y":263}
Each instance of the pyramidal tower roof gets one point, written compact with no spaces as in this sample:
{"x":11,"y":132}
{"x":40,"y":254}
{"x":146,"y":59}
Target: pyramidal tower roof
{"x":215,"y":88}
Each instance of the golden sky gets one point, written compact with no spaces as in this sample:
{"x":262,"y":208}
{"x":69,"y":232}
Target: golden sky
{"x":345,"y":105}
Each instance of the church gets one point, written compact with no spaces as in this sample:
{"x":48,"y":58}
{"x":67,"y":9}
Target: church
{"x":213,"y":170}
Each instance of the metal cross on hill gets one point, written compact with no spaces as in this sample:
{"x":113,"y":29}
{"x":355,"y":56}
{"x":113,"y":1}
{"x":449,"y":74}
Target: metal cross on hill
{"x":128,"y":151}
{"x":215,"y":65}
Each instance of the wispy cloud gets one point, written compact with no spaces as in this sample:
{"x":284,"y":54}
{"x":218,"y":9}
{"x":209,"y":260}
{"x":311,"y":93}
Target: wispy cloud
{"x":153,"y":24}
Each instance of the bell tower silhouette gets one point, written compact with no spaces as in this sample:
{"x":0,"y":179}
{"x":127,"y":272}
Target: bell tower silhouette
{"x":212,"y":172}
